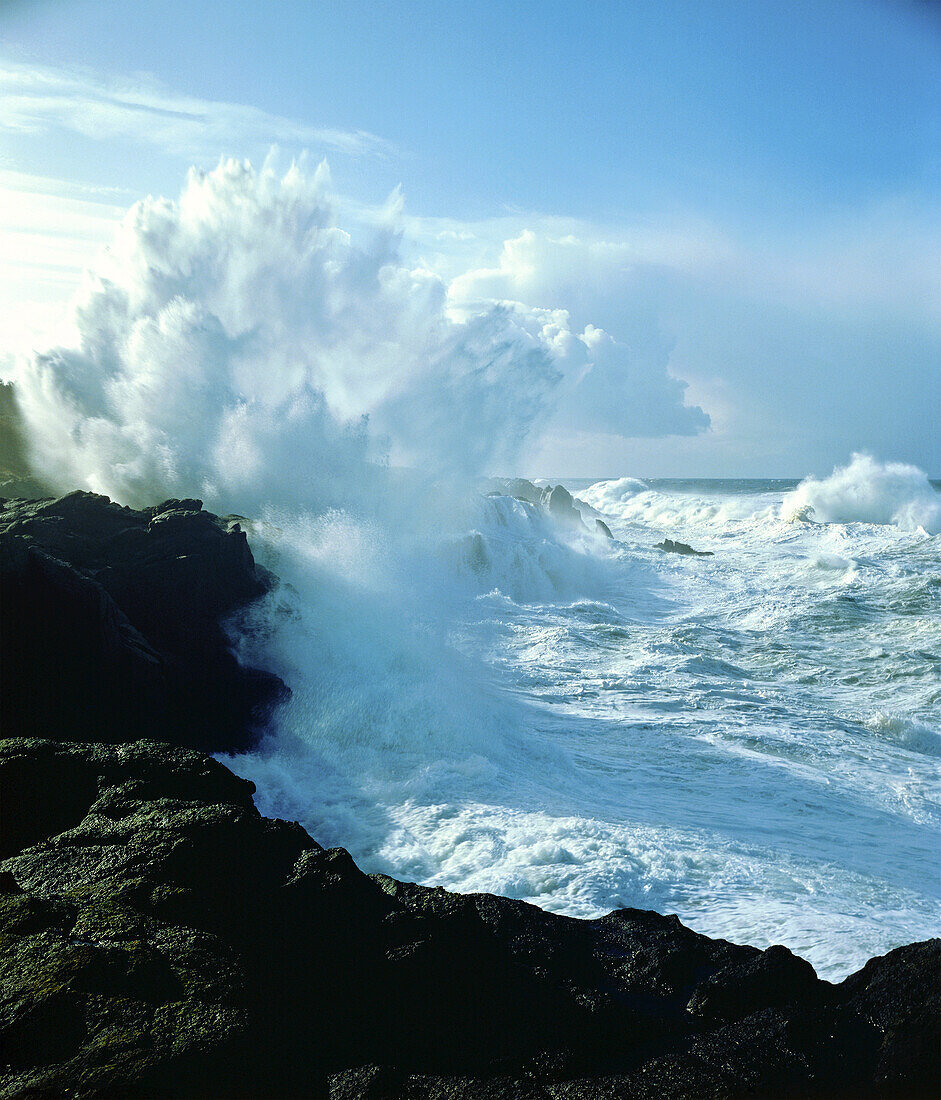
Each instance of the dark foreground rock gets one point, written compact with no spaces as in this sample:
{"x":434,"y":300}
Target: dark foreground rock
{"x":113,"y":622}
{"x":668,"y":546}
{"x":159,"y":938}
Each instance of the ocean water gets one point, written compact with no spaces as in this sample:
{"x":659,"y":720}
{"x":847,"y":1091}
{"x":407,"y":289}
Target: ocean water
{"x":490,"y":700}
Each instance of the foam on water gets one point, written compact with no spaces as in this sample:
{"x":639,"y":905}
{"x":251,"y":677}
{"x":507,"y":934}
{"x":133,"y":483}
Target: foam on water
{"x":866,"y":491}
{"x":587,"y":723}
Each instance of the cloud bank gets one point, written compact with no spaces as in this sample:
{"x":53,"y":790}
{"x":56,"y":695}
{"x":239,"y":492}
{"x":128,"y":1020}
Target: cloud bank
{"x":625,"y":389}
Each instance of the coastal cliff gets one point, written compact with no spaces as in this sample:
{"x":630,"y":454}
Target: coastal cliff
{"x":113,"y":623}
{"x":161,"y":938}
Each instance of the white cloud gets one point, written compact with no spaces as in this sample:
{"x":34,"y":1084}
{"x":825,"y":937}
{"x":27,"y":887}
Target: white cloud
{"x":50,"y":231}
{"x":37,"y":100}
{"x":616,"y":386}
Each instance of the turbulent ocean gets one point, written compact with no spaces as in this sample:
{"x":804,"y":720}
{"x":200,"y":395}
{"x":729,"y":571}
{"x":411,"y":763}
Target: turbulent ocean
{"x":500,"y":699}
{"x":490,"y":693}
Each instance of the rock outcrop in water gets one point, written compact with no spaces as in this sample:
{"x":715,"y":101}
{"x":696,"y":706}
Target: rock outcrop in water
{"x":113,"y":623}
{"x":668,"y":546}
{"x":560,"y":504}
{"x":159,"y":938}
{"x":554,"y":500}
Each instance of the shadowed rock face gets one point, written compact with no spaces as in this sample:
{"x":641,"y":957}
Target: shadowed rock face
{"x":113,"y":622}
{"x":160,"y":938}
{"x":560,"y":504}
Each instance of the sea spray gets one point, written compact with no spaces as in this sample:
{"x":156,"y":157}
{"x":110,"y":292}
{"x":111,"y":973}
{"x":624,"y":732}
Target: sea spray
{"x":238,"y":344}
{"x":867,"y":491}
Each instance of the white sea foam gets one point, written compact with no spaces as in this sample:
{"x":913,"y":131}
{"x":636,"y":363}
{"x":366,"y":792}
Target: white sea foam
{"x":906,"y":732}
{"x":517,"y":550}
{"x":609,"y":495}
{"x":867,"y":491}
{"x":629,"y":500}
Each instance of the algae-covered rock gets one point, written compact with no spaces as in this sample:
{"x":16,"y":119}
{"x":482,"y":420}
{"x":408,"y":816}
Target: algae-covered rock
{"x":159,"y":938}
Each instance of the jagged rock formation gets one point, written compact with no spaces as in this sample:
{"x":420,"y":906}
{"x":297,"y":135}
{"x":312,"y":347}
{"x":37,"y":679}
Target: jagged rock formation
{"x":158,"y":937}
{"x":113,"y":622}
{"x":560,"y":504}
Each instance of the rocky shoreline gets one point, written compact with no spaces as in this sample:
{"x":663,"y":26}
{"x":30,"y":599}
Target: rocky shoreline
{"x":113,"y":623}
{"x":160,"y":938}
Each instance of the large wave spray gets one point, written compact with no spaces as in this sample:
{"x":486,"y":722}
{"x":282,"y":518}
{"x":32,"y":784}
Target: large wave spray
{"x":238,"y":344}
{"x":867,"y":491}
{"x":483,"y":697}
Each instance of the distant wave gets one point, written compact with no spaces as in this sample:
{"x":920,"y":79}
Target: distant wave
{"x":606,"y":496}
{"x":905,"y":732}
{"x":867,"y":491}
{"x":630,"y":500}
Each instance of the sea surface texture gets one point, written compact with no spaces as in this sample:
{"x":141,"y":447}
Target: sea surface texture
{"x":488,"y":698}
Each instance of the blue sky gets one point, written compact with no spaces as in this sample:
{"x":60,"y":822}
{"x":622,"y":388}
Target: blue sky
{"x":744,"y":195}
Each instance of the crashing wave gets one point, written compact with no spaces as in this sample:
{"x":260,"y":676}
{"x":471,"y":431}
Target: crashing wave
{"x":867,"y":491}
{"x":525,"y":552}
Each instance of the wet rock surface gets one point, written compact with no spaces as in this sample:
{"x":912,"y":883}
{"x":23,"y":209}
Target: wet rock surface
{"x":113,"y":622}
{"x":160,"y":938}
{"x":669,"y":546}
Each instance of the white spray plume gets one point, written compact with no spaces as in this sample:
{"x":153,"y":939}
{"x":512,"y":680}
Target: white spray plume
{"x":867,"y":491}
{"x":236,"y":343}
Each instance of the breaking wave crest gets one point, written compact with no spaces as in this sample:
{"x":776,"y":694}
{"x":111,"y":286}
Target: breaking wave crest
{"x":516,"y":549}
{"x":867,"y":491}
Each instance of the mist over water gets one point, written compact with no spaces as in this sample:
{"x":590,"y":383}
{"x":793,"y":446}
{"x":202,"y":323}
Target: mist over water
{"x":486,"y":697}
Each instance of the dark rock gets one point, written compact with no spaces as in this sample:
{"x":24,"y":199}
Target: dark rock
{"x":900,"y":995}
{"x":558,"y":501}
{"x":522,"y":489}
{"x":517,"y":487}
{"x":113,"y":623}
{"x":603,"y":528}
{"x":767,"y":980}
{"x":671,"y":547}
{"x":158,"y":937}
